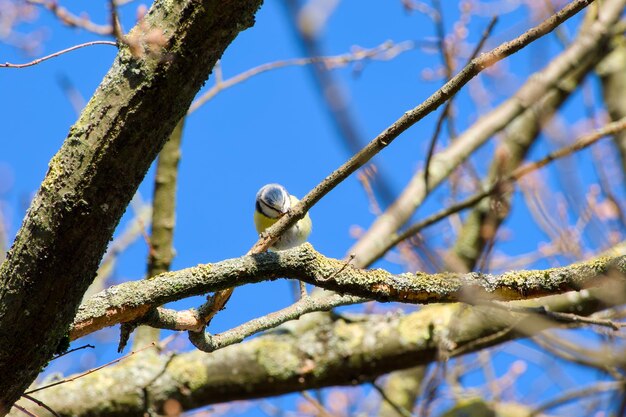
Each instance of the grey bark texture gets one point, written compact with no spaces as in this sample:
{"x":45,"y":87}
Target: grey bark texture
{"x":96,"y":172}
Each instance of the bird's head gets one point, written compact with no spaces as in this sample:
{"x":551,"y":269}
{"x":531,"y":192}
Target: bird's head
{"x":273,"y":201}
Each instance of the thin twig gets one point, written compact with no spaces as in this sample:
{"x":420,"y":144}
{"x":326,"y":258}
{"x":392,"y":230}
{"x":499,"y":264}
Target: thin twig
{"x":90,"y":371}
{"x":582,"y":143}
{"x":344,"y":266}
{"x":323,"y":412}
{"x":41,"y":404}
{"x":446,"y":110}
{"x":54,"y":55}
{"x":554,"y":315}
{"x":597,"y":388}
{"x":25,"y":411}
{"x":72,"y":20}
{"x":302,"y":287}
{"x":73,"y":350}
{"x":328,"y":61}
{"x":117,"y":31}
{"x":447,"y":63}
{"x":548,"y":344}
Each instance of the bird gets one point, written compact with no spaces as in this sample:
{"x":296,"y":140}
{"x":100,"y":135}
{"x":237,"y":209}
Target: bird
{"x":272,"y":202}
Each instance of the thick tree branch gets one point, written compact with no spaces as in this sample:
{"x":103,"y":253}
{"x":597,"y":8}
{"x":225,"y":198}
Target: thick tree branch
{"x":131,"y":300}
{"x":93,"y":177}
{"x":309,"y":353}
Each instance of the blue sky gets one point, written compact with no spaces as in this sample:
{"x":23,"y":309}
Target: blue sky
{"x":271,"y":128}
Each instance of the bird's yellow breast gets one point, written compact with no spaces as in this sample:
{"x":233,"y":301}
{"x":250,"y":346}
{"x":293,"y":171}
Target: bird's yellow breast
{"x":262,"y":222}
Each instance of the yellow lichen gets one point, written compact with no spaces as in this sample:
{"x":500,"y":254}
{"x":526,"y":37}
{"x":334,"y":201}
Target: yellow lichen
{"x":279,"y":359}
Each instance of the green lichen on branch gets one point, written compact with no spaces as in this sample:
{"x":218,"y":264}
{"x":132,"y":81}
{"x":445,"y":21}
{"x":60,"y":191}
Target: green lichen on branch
{"x":316,"y":351}
{"x":131,"y":300}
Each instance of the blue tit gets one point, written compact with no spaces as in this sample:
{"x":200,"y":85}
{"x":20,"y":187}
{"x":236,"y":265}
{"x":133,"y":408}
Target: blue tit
{"x":272,"y":202}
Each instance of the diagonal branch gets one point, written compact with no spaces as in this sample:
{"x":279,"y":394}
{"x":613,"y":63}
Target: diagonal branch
{"x":500,"y":184}
{"x":94,"y":175}
{"x":370,"y":246}
{"x":413,"y":116}
{"x":481,"y":225}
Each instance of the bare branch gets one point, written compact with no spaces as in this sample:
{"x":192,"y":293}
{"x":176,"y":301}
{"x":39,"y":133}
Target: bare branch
{"x":90,"y":371}
{"x":54,"y":55}
{"x":595,"y":389}
{"x":73,"y":20}
{"x":208,"y":343}
{"x":336,"y":61}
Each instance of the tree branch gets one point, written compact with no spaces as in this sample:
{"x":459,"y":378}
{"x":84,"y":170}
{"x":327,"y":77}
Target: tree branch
{"x":582,"y":142}
{"x":56,"y":54}
{"x":306,"y":354}
{"x":612,"y":72}
{"x":130,"y":300}
{"x":481,"y":225}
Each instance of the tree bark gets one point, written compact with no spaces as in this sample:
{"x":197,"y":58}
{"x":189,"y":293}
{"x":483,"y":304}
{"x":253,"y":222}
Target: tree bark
{"x":96,"y":172}
{"x":130,"y":300}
